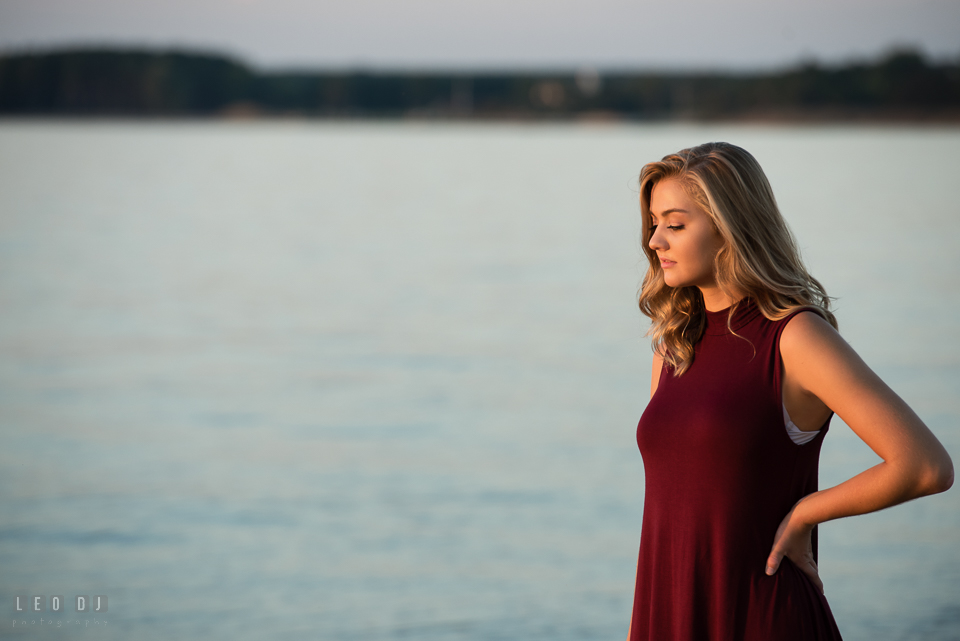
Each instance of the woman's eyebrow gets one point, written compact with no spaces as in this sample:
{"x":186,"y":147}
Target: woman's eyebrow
{"x":666,"y":212}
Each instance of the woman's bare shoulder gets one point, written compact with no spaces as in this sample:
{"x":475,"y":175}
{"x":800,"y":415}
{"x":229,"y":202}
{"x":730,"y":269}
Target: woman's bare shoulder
{"x":814,"y":353}
{"x":808,"y":331}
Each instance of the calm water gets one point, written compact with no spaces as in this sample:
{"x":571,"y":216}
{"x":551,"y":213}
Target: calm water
{"x":381,"y":381}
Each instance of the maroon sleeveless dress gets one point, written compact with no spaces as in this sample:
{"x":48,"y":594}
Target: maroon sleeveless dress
{"x":721,"y":473}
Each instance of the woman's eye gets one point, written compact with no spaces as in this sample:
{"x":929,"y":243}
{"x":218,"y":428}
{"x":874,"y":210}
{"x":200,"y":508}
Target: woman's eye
{"x":675,"y":227}
{"x":653,"y":228}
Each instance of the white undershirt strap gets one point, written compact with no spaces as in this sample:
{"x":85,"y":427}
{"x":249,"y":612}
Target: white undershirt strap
{"x":797,"y":435}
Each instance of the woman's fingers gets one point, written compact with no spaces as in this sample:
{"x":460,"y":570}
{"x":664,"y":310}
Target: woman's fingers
{"x":794,"y":542}
{"x":803,"y":561}
{"x":809,"y":568}
{"x":773,"y":561}
{"x":778,"y":552}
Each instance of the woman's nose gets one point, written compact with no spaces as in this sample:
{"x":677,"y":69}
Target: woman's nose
{"x":656,"y":240}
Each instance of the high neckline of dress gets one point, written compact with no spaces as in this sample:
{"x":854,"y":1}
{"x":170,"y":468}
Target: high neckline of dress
{"x":746,"y":310}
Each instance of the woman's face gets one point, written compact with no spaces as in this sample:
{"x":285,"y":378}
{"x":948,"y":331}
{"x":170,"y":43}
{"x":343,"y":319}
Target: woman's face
{"x":684,"y":237}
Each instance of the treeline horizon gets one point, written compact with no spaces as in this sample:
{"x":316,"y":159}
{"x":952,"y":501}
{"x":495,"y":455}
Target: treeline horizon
{"x":901,"y":85}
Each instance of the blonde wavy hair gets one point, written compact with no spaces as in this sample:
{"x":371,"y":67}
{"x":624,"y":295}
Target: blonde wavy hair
{"x":759,"y":258}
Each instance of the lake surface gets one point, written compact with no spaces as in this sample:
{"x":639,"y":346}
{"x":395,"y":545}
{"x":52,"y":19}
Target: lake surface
{"x":381,"y":380}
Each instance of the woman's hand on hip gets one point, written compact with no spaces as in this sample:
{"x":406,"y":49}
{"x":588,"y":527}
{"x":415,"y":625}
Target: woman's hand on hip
{"x":794,"y":541}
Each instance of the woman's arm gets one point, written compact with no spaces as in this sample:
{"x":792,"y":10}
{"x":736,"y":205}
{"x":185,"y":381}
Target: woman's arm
{"x":819,"y":362}
{"x":654,"y":381}
{"x":630,"y":629}
{"x":655,"y":374}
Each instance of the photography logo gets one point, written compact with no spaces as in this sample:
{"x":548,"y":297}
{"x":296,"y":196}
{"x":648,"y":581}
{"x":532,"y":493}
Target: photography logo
{"x":29,"y":610}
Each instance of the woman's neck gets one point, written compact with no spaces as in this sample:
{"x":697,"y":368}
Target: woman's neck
{"x":715,"y":300}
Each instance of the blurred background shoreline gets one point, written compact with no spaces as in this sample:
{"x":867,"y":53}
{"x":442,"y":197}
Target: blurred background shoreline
{"x":902,"y":86}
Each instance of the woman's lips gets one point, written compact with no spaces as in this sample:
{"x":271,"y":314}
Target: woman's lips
{"x":666,"y":264}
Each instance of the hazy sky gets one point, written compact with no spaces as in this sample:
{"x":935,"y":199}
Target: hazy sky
{"x":740,"y":34}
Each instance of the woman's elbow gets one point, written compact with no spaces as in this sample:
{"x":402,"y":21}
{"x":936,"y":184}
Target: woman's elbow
{"x":937,"y":476}
{"x":946,"y":476}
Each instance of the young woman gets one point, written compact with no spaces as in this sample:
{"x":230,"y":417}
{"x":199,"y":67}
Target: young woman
{"x":748,"y":368}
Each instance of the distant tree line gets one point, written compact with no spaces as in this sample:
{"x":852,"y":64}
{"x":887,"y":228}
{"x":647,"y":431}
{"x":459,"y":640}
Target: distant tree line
{"x":140,"y":83}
